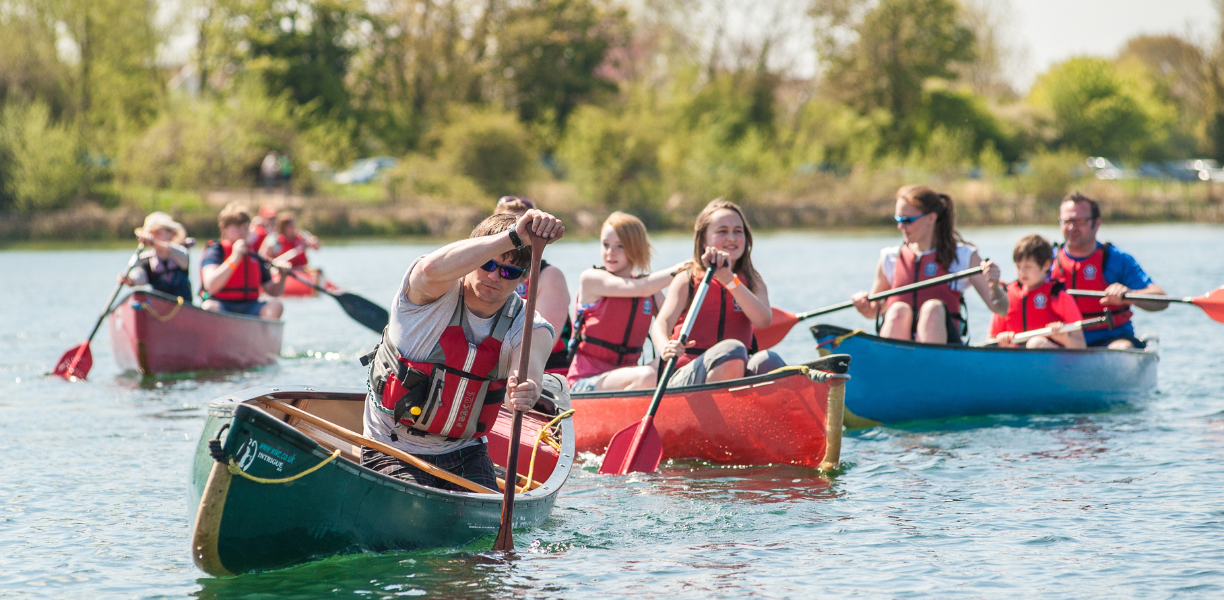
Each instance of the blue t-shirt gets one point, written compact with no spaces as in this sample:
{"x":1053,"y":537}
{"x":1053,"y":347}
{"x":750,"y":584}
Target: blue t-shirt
{"x":214,"y":254}
{"x":1120,"y":267}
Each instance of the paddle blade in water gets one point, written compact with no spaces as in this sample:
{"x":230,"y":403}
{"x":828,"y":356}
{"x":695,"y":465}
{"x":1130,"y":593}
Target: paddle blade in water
{"x":1212,"y":303}
{"x":363,"y":311}
{"x":778,"y":328}
{"x":83,"y":359}
{"x":646,"y":459}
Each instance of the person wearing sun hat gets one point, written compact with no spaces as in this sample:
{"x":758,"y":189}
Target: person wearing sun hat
{"x":164,"y":264}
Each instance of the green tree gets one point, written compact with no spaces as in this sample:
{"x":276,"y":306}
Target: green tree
{"x":880,"y":56}
{"x":1092,"y":109}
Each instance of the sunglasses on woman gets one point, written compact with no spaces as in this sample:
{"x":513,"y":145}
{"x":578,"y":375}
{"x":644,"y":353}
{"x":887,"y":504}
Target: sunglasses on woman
{"x":506,"y":271}
{"x":907,"y":220}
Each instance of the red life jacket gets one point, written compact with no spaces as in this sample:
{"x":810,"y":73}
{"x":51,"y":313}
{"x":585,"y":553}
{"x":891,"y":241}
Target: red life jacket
{"x":626,"y":320}
{"x":559,"y":358}
{"x":258,"y":234}
{"x":911,"y":269}
{"x":285,"y":244}
{"x":1031,"y":310}
{"x":451,"y":393}
{"x":1089,"y":274}
{"x":244,"y":281}
{"x":719,"y":308}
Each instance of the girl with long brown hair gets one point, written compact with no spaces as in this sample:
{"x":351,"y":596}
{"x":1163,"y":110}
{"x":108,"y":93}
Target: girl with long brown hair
{"x":721,"y":345}
{"x":614,"y":309}
{"x":931,"y":247}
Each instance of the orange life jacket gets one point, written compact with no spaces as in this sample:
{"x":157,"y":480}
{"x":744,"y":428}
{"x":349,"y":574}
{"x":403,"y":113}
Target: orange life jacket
{"x":911,"y":268}
{"x":1089,"y":274}
{"x":450,"y":393}
{"x":613,"y":330}
{"x":718,"y":318}
{"x":243,"y":284}
{"x":286,"y":244}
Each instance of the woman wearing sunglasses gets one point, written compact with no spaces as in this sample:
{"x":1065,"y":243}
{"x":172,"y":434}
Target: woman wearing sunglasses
{"x":615,"y":306}
{"x":553,"y":300}
{"x":931,"y":247}
{"x":721,"y":345}
{"x":448,"y":360}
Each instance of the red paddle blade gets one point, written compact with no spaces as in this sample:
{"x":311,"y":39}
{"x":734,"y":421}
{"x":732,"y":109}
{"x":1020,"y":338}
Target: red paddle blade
{"x":618,"y":461}
{"x":778,"y":328}
{"x":75,"y":363}
{"x":1212,"y":303}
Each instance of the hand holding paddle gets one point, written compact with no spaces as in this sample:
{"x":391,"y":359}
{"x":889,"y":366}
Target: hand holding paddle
{"x":76,"y":362}
{"x":1212,"y":302}
{"x":784,"y":321}
{"x":638,"y":447}
{"x":1023,"y":337}
{"x":505,"y":534}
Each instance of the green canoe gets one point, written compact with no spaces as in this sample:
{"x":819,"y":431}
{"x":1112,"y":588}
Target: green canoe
{"x":291,"y":491}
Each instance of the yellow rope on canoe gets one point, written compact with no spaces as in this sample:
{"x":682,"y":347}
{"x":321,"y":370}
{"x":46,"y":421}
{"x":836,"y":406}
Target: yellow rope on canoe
{"x":169,"y":315}
{"x":233,"y":469}
{"x":841,"y":338}
{"x":547,"y":438}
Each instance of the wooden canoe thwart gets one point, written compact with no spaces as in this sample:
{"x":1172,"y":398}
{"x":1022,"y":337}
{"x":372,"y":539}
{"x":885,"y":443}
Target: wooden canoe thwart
{"x":791,"y":416}
{"x":153,"y":333}
{"x":297,"y":491}
{"x":898,"y":381}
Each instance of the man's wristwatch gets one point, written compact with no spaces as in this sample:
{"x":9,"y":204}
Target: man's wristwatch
{"x":516,"y":240}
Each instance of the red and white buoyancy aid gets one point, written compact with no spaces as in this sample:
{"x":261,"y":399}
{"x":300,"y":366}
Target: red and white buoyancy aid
{"x":258,"y":234}
{"x":1089,"y":274}
{"x":718,"y":318}
{"x":911,"y":269}
{"x":1031,"y":310}
{"x":243,"y":284}
{"x":451,"y":393}
{"x":287,"y":244}
{"x":613,"y":330}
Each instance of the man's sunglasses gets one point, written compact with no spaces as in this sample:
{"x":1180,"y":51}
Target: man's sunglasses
{"x":907,"y":220}
{"x":506,"y":271}
{"x":1082,"y":221}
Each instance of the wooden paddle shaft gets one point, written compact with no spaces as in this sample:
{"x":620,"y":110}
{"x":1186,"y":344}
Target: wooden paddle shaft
{"x":505,"y":535}
{"x":1130,"y":296}
{"x":1067,"y":328}
{"x":893,"y":292}
{"x":361,"y":440}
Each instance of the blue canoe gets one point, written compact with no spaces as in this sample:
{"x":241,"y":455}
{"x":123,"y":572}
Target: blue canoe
{"x":897,"y":381}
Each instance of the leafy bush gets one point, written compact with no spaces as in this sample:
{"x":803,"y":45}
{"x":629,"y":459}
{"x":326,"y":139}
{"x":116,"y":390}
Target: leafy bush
{"x":613,"y":160}
{"x":1051,"y":175}
{"x":420,"y":178}
{"x":489,"y":147}
{"x":39,"y":160}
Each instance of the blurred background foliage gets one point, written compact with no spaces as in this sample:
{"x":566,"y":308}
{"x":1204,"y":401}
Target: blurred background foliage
{"x":591,"y":105}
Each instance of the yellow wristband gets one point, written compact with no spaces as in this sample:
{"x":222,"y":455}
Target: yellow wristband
{"x":735,"y":282}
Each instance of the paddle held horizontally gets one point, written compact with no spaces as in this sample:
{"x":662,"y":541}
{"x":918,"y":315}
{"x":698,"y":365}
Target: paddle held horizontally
{"x":783,"y":321}
{"x":75,"y":363}
{"x":638,"y":447}
{"x":1212,"y":302}
{"x":505,"y":535}
{"x":1066,"y":328}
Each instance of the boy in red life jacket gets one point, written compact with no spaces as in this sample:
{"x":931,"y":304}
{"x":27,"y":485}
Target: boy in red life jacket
{"x":1035,"y":301}
{"x":261,"y":225}
{"x":449,"y":360}
{"x":231,"y":279}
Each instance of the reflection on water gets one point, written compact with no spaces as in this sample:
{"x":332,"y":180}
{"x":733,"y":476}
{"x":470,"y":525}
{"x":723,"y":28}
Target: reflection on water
{"x":1125,"y":502}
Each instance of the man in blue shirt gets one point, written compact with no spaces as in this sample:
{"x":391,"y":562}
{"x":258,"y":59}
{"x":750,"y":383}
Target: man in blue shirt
{"x":1082,"y":258}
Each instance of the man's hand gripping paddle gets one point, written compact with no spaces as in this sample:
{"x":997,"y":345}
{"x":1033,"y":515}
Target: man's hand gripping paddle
{"x":1212,"y":302}
{"x":76,"y":362}
{"x":638,"y":447}
{"x":505,"y":534}
{"x":783,"y":321}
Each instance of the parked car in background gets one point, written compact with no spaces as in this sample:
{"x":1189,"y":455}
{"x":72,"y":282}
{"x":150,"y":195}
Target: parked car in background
{"x":365,"y":170}
{"x":1104,"y":169}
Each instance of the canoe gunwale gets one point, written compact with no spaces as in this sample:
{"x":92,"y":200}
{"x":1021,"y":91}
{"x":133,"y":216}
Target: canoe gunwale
{"x":189,"y":306}
{"x":822,"y":330}
{"x":252,"y":399}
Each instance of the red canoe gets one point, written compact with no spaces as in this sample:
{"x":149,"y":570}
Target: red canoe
{"x":294,"y":287}
{"x":152,"y":333}
{"x":791,"y":416}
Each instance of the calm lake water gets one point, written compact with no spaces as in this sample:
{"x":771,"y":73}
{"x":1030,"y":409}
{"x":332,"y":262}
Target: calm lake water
{"x":1124,"y":503}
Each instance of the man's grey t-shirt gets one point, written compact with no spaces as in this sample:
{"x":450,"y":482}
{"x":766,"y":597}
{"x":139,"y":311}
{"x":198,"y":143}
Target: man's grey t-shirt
{"x":415,"y":330}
